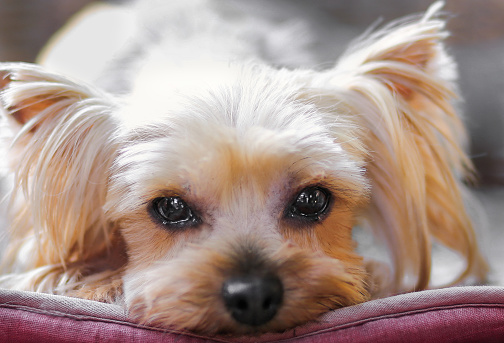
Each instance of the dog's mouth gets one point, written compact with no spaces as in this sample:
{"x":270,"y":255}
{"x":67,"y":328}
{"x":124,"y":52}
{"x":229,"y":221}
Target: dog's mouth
{"x":242,"y":288}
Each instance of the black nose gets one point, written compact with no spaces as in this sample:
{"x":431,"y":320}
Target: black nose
{"x":253,"y":300}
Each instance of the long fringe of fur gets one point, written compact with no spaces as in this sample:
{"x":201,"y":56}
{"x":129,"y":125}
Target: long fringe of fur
{"x":402,"y":82}
{"x":61,"y":184}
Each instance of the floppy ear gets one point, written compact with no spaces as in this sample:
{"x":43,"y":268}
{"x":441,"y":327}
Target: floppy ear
{"x":62,"y":147}
{"x":400,"y":86}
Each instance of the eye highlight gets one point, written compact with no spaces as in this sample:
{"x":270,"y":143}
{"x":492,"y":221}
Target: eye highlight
{"x":311,"y":203}
{"x":173,"y":212}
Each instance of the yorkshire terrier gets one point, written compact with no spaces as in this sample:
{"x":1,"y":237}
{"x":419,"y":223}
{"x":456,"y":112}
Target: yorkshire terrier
{"x":219,"y":195}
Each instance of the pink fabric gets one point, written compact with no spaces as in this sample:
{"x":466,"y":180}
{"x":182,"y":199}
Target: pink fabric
{"x":465,"y":314}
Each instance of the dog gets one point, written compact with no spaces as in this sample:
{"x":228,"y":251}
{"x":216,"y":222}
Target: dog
{"x":219,"y":193}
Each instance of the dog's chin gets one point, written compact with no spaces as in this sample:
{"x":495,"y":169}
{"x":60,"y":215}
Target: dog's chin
{"x":189,"y":293}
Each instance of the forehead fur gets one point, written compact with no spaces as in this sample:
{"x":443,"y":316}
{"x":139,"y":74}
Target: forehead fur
{"x":254,"y":129}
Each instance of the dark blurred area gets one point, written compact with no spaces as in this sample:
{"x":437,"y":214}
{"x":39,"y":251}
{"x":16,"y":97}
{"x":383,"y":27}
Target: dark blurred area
{"x":26,"y":25}
{"x":477,"y":42}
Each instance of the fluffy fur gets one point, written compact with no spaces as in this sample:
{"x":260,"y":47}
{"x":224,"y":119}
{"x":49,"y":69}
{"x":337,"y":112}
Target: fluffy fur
{"x":238,"y":140}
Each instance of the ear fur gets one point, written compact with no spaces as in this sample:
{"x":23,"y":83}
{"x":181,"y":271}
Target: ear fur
{"x":63,"y":146}
{"x":401,"y":86}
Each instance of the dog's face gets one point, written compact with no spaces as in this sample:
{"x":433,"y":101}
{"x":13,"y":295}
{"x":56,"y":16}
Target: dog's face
{"x":239,"y":205}
{"x":222,"y":199}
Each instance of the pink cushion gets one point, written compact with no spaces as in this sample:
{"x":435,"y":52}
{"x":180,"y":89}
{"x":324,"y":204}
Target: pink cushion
{"x":463,"y":314}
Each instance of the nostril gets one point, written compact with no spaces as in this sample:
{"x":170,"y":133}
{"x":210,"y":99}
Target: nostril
{"x":242,"y":304}
{"x":267,"y":303}
{"x":253,"y":300}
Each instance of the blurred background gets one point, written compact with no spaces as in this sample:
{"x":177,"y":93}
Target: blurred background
{"x":477,"y":42}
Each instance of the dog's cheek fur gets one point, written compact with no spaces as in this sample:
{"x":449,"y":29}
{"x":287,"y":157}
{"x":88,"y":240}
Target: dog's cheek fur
{"x":148,"y":242}
{"x":332,"y":234}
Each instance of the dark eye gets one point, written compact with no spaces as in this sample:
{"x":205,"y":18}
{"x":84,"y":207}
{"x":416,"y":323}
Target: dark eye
{"x":310,"y":203}
{"x":173,"y":211}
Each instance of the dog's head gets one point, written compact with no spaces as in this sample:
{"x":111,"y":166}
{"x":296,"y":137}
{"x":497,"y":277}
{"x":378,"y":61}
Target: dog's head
{"x":236,"y":195}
